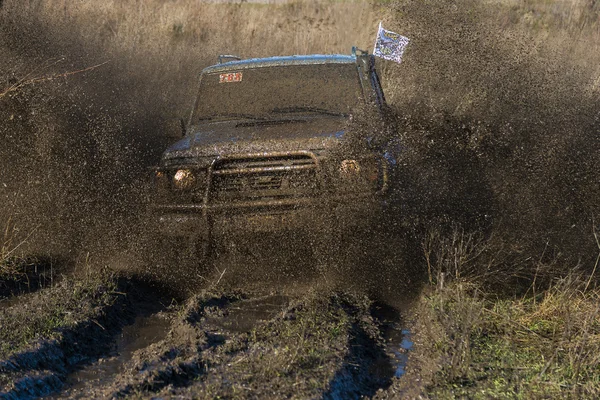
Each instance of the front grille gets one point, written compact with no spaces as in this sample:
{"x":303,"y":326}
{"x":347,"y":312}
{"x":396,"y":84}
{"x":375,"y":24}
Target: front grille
{"x":252,"y":182}
{"x":261,"y":163}
{"x":260,"y":177}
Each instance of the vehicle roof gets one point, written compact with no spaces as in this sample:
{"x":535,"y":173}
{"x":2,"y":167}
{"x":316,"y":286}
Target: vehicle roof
{"x":313,"y":59}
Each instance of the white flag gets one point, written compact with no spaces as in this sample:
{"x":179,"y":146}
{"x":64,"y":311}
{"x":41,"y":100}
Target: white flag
{"x":390,"y":45}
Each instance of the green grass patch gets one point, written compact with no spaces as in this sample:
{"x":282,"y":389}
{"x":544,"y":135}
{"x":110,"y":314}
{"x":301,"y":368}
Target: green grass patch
{"x":44,"y":314}
{"x":477,"y":347}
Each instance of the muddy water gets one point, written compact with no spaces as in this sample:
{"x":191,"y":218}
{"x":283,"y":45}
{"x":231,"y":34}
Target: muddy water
{"x":244,"y":315}
{"x":142,"y":333}
{"x":398,"y":345}
{"x":397,"y":341}
{"x":240,"y":316}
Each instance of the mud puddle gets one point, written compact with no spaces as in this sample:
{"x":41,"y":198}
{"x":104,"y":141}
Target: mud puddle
{"x":397,"y":341}
{"x":145,"y":331}
{"x":244,"y":315}
{"x":398,"y":346}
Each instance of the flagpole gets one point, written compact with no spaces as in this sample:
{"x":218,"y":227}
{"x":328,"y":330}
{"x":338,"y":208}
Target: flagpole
{"x":378,"y":33}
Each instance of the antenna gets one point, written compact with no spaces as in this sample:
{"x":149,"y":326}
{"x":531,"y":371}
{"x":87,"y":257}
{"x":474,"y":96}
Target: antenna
{"x":228,"y":56}
{"x":356,"y":50}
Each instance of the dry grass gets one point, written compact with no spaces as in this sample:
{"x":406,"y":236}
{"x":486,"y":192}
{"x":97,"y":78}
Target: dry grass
{"x":159,"y":28}
{"x":11,"y":264}
{"x":6,"y":250}
{"x":167,"y":44}
{"x":581,"y":17}
{"x":471,"y":343}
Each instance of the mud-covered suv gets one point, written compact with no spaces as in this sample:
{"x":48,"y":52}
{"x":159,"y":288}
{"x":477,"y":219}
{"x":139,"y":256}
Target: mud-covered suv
{"x":265,"y":151}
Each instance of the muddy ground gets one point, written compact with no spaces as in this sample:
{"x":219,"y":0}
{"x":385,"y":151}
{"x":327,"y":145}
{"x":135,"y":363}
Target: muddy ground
{"x":99,"y":333}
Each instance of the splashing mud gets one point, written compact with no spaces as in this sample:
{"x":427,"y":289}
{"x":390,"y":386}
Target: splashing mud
{"x":499,"y":125}
{"x":500,"y":122}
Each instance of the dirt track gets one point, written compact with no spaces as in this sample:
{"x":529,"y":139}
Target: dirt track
{"x":110,"y":336}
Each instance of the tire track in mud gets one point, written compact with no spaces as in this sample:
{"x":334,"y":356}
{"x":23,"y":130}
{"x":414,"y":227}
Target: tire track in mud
{"x":373,"y":356}
{"x":237,"y":345}
{"x":144,"y":331}
{"x":229,"y":344}
{"x":41,"y":367}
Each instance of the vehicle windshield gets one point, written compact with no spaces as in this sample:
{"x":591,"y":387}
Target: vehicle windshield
{"x":269,"y":92}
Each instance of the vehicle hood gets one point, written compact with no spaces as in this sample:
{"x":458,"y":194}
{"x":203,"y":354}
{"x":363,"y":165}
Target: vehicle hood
{"x":289,"y":133}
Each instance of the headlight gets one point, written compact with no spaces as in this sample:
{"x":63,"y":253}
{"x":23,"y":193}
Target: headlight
{"x":184,"y":179}
{"x":364,"y":173}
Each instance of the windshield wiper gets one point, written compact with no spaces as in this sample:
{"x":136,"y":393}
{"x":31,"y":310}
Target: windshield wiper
{"x":285,"y":110}
{"x":233,"y":115}
{"x":272,"y":122}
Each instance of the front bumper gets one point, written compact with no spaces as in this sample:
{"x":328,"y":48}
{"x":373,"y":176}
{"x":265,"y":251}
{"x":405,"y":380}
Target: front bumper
{"x":269,"y":192}
{"x":307,"y":215}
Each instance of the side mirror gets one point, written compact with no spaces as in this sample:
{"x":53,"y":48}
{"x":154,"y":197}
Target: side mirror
{"x":174,"y":129}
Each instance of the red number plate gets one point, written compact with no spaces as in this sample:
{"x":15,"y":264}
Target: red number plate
{"x":231,"y":77}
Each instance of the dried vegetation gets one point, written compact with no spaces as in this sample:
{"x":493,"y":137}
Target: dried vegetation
{"x":476,"y":343}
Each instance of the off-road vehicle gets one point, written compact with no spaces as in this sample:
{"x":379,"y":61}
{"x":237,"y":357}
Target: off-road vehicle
{"x":266,"y":149}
